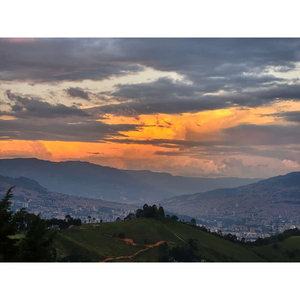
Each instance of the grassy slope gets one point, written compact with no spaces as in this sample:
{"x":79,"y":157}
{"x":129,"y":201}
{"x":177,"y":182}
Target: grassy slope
{"x":281,"y":254}
{"x":98,"y":244}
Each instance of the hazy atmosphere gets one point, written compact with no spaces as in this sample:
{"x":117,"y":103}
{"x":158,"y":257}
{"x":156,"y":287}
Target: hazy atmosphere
{"x":192,"y":107}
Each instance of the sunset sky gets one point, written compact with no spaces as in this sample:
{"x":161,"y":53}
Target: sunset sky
{"x":192,"y":107}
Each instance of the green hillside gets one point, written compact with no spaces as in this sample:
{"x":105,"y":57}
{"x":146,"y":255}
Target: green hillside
{"x":142,"y":239}
{"x":285,"y":251}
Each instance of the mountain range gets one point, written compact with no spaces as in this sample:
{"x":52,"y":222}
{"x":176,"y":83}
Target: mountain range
{"x":125,"y":186}
{"x":274,"y":198}
{"x":37,"y":199}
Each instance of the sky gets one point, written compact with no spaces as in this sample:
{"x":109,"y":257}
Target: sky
{"x":191,"y":107}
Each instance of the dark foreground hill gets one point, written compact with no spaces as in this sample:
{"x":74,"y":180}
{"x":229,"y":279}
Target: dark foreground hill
{"x":94,"y":181}
{"x":273,"y":198}
{"x":151,"y":240}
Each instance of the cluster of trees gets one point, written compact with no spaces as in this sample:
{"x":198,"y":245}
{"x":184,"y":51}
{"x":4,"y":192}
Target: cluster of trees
{"x":276,"y":238}
{"x":178,"y":253}
{"x":64,"y":224}
{"x":150,"y":212}
{"x":34,"y":241}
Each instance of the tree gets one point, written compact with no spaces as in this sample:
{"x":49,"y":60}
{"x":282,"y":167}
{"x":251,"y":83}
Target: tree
{"x":118,"y":219}
{"x":193,"y":222}
{"x":68,"y":217}
{"x":139,"y":213}
{"x":160,"y":212}
{"x":131,"y":216}
{"x":163,"y":251}
{"x":174,"y":218}
{"x":122,"y":235}
{"x":89,"y":217}
{"x":9,"y":224}
{"x":36,"y":246}
{"x":193,"y":243}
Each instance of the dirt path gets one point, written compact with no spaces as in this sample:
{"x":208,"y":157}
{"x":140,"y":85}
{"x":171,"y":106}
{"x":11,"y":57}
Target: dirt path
{"x":134,"y":254}
{"x":127,"y":241}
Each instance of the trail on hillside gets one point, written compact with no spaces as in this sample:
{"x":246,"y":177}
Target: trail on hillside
{"x":127,"y":241}
{"x":174,"y":234}
{"x":136,"y":253}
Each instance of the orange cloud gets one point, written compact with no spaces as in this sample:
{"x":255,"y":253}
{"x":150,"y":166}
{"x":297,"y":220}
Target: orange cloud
{"x":187,"y":127}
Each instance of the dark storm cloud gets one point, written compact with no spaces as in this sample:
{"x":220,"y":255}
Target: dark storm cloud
{"x":77,"y":93}
{"x":197,"y":59}
{"x":174,"y":97}
{"x":211,"y":151}
{"x":233,"y":66}
{"x":161,"y":96}
{"x":25,"y":107}
{"x":167,"y":143}
{"x":50,"y":60}
{"x":250,"y":134}
{"x":290,"y":116}
{"x":90,"y":131}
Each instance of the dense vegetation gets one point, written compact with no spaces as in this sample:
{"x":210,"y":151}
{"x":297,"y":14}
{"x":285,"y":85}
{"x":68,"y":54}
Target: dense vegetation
{"x":33,"y":243}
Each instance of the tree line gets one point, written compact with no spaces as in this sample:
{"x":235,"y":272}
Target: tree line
{"x":149,"y":211}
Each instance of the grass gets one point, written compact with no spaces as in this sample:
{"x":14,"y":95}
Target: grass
{"x":89,"y":244}
{"x":285,"y":251}
{"x":96,"y":244}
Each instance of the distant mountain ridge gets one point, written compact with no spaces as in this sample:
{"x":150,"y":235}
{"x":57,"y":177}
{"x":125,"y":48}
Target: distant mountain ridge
{"x":30,"y":194}
{"x":267,"y":199}
{"x":95,"y":181}
{"x":177,"y":184}
{"x":22,"y":182}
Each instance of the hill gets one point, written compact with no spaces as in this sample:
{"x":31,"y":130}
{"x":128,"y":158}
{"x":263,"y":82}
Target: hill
{"x":148,"y":240}
{"x":271,"y":199}
{"x":37,"y":199}
{"x":179,"y":184}
{"x":94,"y":181}
{"x":142,"y":240}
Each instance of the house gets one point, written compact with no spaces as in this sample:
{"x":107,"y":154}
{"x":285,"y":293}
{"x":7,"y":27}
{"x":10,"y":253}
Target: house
{"x":54,"y":227}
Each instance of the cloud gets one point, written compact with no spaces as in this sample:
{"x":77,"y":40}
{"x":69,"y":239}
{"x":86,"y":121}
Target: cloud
{"x":88,"y":131}
{"x":175,"y":97}
{"x":30,"y":149}
{"x":161,"y":96}
{"x":236,"y":71}
{"x":53,"y":60}
{"x":26,"y":107}
{"x":250,"y":134}
{"x":97,"y":59}
{"x":236,"y":167}
{"x":77,"y":93}
{"x":95,"y":153}
{"x":290,"y":116}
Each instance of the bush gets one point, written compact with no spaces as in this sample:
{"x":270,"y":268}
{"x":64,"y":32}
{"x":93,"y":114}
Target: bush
{"x":122,"y":235}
